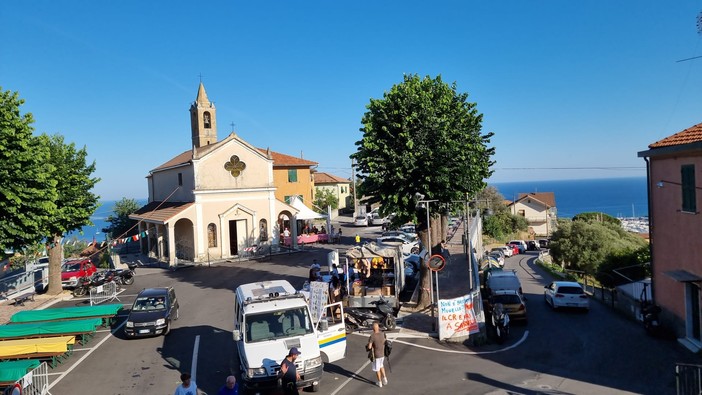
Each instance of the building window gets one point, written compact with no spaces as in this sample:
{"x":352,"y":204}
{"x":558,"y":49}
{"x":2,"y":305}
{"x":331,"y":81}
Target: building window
{"x":180,"y":179}
{"x":292,"y":175}
{"x":521,"y":212}
{"x":207,"y":120}
{"x":212,"y":235}
{"x":689,"y":203}
{"x":263,"y":229}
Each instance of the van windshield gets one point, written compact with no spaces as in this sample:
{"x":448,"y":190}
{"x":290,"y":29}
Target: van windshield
{"x":277,"y":324}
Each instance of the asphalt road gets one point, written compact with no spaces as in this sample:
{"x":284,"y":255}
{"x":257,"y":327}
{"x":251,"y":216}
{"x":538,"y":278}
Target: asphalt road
{"x":558,"y":352}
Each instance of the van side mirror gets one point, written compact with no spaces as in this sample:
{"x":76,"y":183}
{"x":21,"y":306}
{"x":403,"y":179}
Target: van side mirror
{"x":323,"y":325}
{"x":236,"y":334}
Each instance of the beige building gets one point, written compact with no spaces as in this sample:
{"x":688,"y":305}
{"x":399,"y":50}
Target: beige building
{"x":539,"y":209}
{"x":213,"y":201}
{"x":339,"y":187}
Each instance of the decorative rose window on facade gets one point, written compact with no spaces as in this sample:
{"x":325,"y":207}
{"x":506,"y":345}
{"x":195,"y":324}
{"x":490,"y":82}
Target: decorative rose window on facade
{"x":235,"y":166}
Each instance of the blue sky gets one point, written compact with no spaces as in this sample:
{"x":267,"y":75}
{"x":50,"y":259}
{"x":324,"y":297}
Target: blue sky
{"x":563,"y":84}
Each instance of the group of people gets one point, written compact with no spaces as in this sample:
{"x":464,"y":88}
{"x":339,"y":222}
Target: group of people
{"x":189,"y":387}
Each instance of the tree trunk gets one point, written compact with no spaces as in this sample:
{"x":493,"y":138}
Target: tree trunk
{"x":424,"y":275}
{"x":55,"y":260}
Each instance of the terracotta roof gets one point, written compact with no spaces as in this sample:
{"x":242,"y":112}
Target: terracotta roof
{"x":167,"y":211}
{"x":690,"y":135}
{"x":183,"y":158}
{"x":287,"y":160}
{"x":547,"y":198}
{"x":326,"y":178}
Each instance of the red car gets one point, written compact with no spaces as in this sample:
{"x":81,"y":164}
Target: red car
{"x":71,"y":271}
{"x":515,"y":248}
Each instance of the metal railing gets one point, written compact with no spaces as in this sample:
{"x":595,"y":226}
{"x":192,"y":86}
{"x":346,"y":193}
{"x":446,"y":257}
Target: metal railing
{"x":688,"y":379}
{"x":36,"y":382}
{"x":103,"y":293}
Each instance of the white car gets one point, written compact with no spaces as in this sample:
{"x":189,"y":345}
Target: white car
{"x":408,"y":246}
{"x":408,"y":236}
{"x":361,"y":220}
{"x":506,"y":250}
{"x":566,"y":294}
{"x":375,"y":219}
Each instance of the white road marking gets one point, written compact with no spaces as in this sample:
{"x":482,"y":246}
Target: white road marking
{"x":69,"y":370}
{"x":353,"y":376}
{"x":196,"y":349}
{"x":526,"y":333}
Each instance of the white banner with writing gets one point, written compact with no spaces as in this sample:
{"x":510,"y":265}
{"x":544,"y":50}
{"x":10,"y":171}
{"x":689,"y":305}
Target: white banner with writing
{"x":457,"y":317}
{"x":319,"y":295}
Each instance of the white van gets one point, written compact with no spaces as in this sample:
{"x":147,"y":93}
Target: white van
{"x":270,"y":318}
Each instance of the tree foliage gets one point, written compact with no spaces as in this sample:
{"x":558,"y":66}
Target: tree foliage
{"x":120,"y":225}
{"x":423,"y":137}
{"x":28,"y":191}
{"x":324,"y":197}
{"x":74,"y":203}
{"x":597,"y":217}
{"x":587,"y":245}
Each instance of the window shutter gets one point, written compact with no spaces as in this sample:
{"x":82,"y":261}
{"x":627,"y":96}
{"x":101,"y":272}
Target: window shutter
{"x":689,"y":203}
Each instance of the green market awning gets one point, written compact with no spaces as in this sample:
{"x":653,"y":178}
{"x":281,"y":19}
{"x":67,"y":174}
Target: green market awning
{"x":66,"y":313}
{"x":52,"y":328}
{"x":12,"y":371}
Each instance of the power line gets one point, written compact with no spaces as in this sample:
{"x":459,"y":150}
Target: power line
{"x":575,"y":168}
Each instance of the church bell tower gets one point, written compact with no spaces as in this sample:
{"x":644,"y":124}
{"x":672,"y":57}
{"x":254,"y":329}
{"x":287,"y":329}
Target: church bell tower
{"x":203,"y":120}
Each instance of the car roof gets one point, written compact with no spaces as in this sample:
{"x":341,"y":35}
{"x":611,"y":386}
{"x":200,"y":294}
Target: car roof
{"x":505,"y":292}
{"x":153,"y":292}
{"x":501,"y":273}
{"x":567,"y":284}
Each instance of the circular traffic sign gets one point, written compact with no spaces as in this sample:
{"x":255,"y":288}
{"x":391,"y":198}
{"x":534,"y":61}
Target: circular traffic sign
{"x":436,"y":262}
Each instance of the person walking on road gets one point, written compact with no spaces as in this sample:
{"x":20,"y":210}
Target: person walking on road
{"x":376,"y":342}
{"x":231,"y":387}
{"x":187,"y":387}
{"x":358,"y":240}
{"x":289,"y":373}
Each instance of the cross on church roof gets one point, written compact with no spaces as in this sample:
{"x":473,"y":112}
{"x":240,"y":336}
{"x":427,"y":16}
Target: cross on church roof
{"x":233,"y":124}
{"x":200,"y":75}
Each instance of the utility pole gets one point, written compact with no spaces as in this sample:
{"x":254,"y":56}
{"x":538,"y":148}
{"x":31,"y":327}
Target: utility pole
{"x":353,"y":180}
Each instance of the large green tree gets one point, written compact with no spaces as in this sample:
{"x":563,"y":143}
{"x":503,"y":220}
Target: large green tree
{"x":120,"y":225}
{"x":75,"y":202}
{"x":423,"y":137}
{"x":28,"y":192}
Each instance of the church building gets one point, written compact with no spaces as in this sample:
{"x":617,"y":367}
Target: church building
{"x":213,"y":201}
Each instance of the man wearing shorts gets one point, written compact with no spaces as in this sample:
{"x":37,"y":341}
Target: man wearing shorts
{"x":376,"y":342}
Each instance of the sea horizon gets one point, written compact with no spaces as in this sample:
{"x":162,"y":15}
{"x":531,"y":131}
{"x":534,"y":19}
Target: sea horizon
{"x":616,"y":196}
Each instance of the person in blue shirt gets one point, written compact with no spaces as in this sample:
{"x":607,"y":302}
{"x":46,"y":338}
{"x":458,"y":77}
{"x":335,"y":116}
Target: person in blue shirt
{"x":231,"y":387}
{"x":289,"y":373}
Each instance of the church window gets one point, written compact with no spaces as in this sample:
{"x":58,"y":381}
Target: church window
{"x":235,"y":166}
{"x":212,"y":235}
{"x":292,"y":175}
{"x":263,"y":229}
{"x":206,"y":120}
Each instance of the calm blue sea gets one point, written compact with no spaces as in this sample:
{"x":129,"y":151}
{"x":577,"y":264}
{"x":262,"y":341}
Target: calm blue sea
{"x":618,"y":197}
{"x":99,"y":219}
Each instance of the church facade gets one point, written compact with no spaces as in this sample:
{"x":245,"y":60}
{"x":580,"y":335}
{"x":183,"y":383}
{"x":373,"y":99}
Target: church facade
{"x":214,"y":201}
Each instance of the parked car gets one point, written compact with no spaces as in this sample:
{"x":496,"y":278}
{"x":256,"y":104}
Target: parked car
{"x":515,"y":249}
{"x":508,"y":250}
{"x":498,"y":280}
{"x":513,"y":302}
{"x":412,"y":265}
{"x":520,"y":248}
{"x":497,"y":255}
{"x":543,"y":243}
{"x":408,"y":236}
{"x":375,"y":219}
{"x":408,"y":246}
{"x":72,"y":270}
{"x":152,"y":313}
{"x":361,"y":220}
{"x":566,"y":294}
{"x":409,"y":228}
{"x":500,"y":251}
{"x":533,"y":245}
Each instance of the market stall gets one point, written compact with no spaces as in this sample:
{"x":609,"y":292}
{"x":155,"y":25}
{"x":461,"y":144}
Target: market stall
{"x":378,"y":270}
